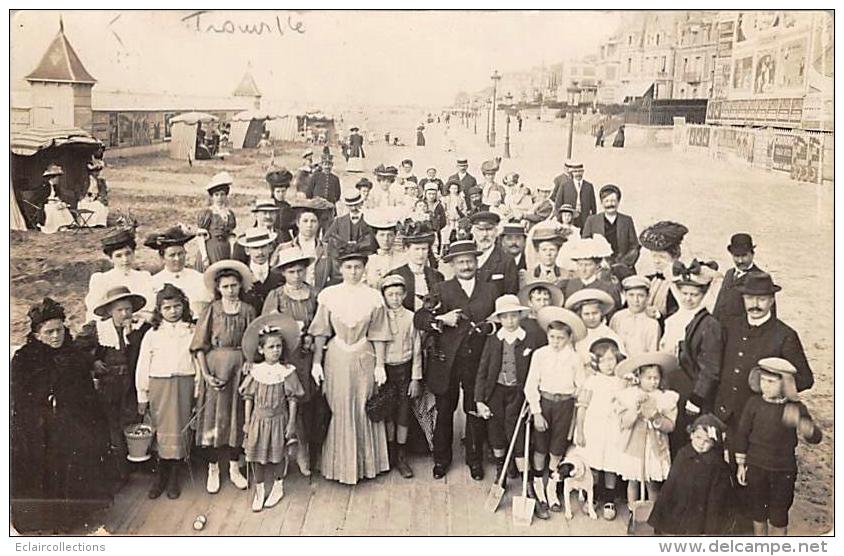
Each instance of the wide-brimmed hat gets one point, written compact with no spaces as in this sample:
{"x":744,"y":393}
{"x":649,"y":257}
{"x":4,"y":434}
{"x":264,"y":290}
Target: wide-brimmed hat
{"x":609,"y":189}
{"x":507,"y":303}
{"x":697,"y":273}
{"x":757,"y":283}
{"x":386,"y":171}
{"x":246,"y":276}
{"x":219,"y":180}
{"x":633,"y":282}
{"x":566,"y":207}
{"x":289,"y":256}
{"x":489,"y":167}
{"x":279,"y":177}
{"x":95,"y":165}
{"x":264,"y":205}
{"x":667,"y":362}
{"x":548,"y":232}
{"x":555,"y":291}
{"x":778,"y":366}
{"x":282,"y":323}
{"x":116,"y":294}
{"x":540,"y":211}
{"x":547,"y":315}
{"x":381,"y":219}
{"x":485,"y":216}
{"x":741,"y":244}
{"x":461,"y":247}
{"x":52,"y":170}
{"x":168,"y":238}
{"x":662,"y":236}
{"x":416,"y":231}
{"x":256,"y":237}
{"x":595,"y":247}
{"x":590,"y":295}
{"x":118,"y":239}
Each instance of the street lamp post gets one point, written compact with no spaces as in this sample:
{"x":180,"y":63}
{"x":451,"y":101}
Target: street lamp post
{"x":574,"y":92}
{"x":496,"y":77}
{"x":508,"y":99}
{"x":475,"y":114}
{"x":488,"y":104}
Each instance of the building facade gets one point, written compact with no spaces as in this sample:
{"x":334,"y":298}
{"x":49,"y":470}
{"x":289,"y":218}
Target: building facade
{"x":695,"y":56}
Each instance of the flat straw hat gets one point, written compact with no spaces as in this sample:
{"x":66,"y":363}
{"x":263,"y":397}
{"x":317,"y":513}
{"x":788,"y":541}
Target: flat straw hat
{"x":116,"y":294}
{"x":778,"y":366}
{"x":667,"y":362}
{"x":588,"y":295}
{"x":550,"y":314}
{"x":246,"y":276}
{"x":553,"y":289}
{"x":507,"y":304}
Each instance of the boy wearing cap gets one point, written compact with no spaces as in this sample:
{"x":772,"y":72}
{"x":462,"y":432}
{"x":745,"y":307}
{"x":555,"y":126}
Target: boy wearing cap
{"x":403,"y":364}
{"x":639,"y":331}
{"x":767,"y":435}
{"x":729,"y":302}
{"x":499,"y":386}
{"x":556,"y":373}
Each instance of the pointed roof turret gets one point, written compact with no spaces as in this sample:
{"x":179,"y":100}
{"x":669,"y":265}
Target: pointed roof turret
{"x":61,"y":64}
{"x":247,"y":87}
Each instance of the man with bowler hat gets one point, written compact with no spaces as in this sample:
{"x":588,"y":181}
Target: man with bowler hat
{"x":465,"y":302}
{"x":755,"y":335}
{"x":729,"y":302}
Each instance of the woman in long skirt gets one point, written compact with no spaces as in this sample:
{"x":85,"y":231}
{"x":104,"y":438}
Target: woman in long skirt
{"x":216,"y":347}
{"x":350,"y":318}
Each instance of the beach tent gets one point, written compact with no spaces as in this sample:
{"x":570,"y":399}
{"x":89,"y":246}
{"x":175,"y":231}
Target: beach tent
{"x":183,"y":129}
{"x":284,"y":128}
{"x":33,"y":149}
{"x":16,"y":220}
{"x":248,"y":128}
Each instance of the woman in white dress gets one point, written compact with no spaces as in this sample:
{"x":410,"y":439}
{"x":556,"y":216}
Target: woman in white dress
{"x":351,"y":321}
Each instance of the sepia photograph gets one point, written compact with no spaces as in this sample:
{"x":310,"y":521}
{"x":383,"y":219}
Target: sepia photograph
{"x":421,"y":273}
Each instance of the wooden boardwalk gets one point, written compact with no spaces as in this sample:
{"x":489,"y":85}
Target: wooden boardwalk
{"x":386,"y":506}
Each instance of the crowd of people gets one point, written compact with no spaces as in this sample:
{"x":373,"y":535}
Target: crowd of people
{"x":342,"y":329}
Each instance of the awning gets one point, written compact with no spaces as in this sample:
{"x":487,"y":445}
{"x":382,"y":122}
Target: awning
{"x":31,"y":140}
{"x":249,"y":115}
{"x":636,"y":89}
{"x":191,"y":118}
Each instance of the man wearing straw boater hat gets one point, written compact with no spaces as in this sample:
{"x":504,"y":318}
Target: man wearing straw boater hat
{"x":259,"y":244}
{"x":265,"y":212}
{"x":755,"y":335}
{"x":494,"y":265}
{"x":115,"y":355}
{"x":729,"y":302}
{"x":170,"y":245}
{"x":350,"y":228}
{"x":571,"y":188}
{"x":465,"y":302}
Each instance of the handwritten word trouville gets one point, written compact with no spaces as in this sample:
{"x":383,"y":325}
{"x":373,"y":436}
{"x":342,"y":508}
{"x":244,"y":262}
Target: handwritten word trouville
{"x":270,"y":26}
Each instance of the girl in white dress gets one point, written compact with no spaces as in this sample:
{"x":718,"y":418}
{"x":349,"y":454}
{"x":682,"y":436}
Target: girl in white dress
{"x":598,"y":429}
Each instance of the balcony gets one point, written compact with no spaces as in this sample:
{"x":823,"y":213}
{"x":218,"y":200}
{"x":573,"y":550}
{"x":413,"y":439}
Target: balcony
{"x":692,"y":77}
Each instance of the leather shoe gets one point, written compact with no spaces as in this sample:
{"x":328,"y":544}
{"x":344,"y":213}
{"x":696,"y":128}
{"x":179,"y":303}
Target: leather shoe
{"x":439,"y":471}
{"x":477,"y":472}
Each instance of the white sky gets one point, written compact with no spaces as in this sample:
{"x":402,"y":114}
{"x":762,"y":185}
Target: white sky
{"x":367,"y":58}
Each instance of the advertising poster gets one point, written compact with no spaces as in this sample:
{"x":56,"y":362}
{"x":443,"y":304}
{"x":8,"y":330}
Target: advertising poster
{"x":792,"y":70}
{"x":743,"y":73}
{"x":763,"y":81}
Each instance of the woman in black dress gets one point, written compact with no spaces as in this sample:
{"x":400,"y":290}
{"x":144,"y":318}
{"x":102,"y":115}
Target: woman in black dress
{"x":59,"y":433}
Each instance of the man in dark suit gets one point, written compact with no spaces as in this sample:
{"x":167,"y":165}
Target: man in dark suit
{"x":350,"y":228}
{"x":570,"y":188}
{"x":464,"y":178}
{"x":494,"y":264}
{"x":266,"y":218}
{"x":617,"y":228}
{"x":730,"y":302}
{"x":419,"y":278}
{"x":465,"y":302}
{"x":513,"y":242}
{"x":325,"y":184}
{"x":747,"y":339}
